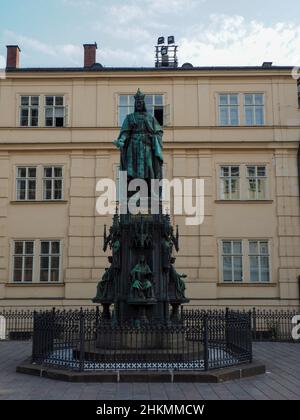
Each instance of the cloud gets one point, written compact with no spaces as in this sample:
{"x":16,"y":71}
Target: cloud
{"x":2,"y":62}
{"x":62,"y":54}
{"x":232,"y":40}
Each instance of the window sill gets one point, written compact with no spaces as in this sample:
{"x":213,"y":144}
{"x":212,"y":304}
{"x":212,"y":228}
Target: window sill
{"x":20,"y":202}
{"x":244,"y":201}
{"x":234,"y":284}
{"x":35,"y":284}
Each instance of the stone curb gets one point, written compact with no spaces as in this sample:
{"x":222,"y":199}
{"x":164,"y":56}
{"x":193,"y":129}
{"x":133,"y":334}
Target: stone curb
{"x":213,"y":376}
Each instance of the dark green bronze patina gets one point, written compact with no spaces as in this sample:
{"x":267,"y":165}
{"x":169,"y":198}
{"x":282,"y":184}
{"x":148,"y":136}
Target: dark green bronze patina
{"x":141,"y":282}
{"x":140,"y":141}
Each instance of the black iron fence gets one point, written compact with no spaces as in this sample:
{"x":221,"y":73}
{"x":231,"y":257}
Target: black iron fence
{"x":81,"y":340}
{"x":266,"y":325}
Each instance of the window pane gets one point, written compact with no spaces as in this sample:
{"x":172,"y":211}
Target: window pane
{"x":235,"y":171}
{"x":55,"y":247}
{"x":55,"y":263}
{"x":28,"y":263}
{"x":248,"y":99}
{"x":59,"y":122}
{"x":225,"y":170}
{"x":253,"y":247}
{"x":237,"y":247}
{"x":254,"y":272}
{"x":261,"y":171}
{"x":44,"y":275}
{"x":49,"y":101}
{"x":21,"y":189}
{"x":223,"y":99}
{"x":19,"y":248}
{"x":148,"y":100}
{"x":24,"y":100}
{"x":238,"y":270}
{"x":227,"y":269}
{"x":226,"y":247}
{"x":123,"y":100}
{"x":264,"y":248}
{"x":233,"y":99}
{"x":249,"y":117}
{"x":224,"y":116}
{"x":131,"y":101}
{"x":22,"y":172}
{"x":59,"y":100}
{"x":59,"y":112}
{"x":32,"y":172}
{"x":47,"y":190}
{"x":18,"y":263}
{"x":45,"y":247}
{"x":44,"y":263}
{"x":58,"y":172}
{"x":259,"y":99}
{"x":261,"y":189}
{"x":158,"y":100}
{"x":24,"y":113}
{"x":259,"y":115}
{"x":18,"y":276}
{"x":28,"y":275}
{"x":54,"y":275}
{"x":265,"y":275}
{"x":31,"y":190}
{"x":35,"y":101}
{"x":29,"y":247}
{"x":251,"y":170}
{"x":159,"y":115}
{"x":48,"y":172}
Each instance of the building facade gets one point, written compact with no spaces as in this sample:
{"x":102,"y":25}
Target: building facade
{"x":238,"y":128}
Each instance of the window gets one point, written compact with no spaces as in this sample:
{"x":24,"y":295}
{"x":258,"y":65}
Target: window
{"x":257,"y":181}
{"x":254,"y":109}
{"x":229,"y":109}
{"x":232,"y":261}
{"x":154,"y":105}
{"x":259,"y":261}
{"x":53,"y":183}
{"x":54,"y":111}
{"x":50,"y":261}
{"x":230,"y":182}
{"x":26,"y":183}
{"x":29,"y":111}
{"x":23,"y":261}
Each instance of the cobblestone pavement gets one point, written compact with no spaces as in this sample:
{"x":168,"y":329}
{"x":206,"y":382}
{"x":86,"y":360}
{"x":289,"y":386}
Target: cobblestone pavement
{"x":282,"y":381}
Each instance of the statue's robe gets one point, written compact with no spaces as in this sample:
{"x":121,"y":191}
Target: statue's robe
{"x":142,"y":154}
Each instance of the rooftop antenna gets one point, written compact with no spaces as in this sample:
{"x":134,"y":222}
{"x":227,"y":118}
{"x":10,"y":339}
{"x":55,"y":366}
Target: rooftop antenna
{"x":166,"y":52}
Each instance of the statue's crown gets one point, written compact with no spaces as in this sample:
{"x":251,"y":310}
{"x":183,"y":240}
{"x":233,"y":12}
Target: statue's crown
{"x":139,"y":95}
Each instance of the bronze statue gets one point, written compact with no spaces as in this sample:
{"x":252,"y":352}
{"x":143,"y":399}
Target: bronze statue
{"x":140,"y":141}
{"x":141,"y":285}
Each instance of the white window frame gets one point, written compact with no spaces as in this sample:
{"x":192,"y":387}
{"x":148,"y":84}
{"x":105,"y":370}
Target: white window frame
{"x":130,"y":105}
{"x":232,"y":255}
{"x":259,"y":255}
{"x":23,"y":256}
{"x":253,"y":106}
{"x":49,"y":256}
{"x":54,"y":107}
{"x":27,"y":179}
{"x":228,"y":106}
{"x":53,"y":179}
{"x":222,"y":179}
{"x":30,"y":108}
{"x":256,"y":178}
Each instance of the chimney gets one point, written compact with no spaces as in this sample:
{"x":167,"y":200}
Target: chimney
{"x":90,"y":54}
{"x":13,"y":57}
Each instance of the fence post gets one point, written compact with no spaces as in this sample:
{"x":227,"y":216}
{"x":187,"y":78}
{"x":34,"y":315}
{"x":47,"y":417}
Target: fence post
{"x":34,"y":338}
{"x":254,"y":323}
{"x":250,"y":338}
{"x":205,"y":342}
{"x":81,"y":340}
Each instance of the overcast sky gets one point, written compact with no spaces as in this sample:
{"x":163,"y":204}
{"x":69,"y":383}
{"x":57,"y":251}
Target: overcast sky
{"x":208,"y":32}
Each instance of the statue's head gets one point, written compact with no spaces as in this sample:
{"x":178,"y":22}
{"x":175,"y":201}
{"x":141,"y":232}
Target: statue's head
{"x":173,"y":260}
{"x":140,"y":105}
{"x":142,"y":259}
{"x":110,"y":260}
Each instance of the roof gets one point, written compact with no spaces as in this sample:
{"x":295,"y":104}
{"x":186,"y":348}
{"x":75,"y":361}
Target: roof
{"x":101,"y":69}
